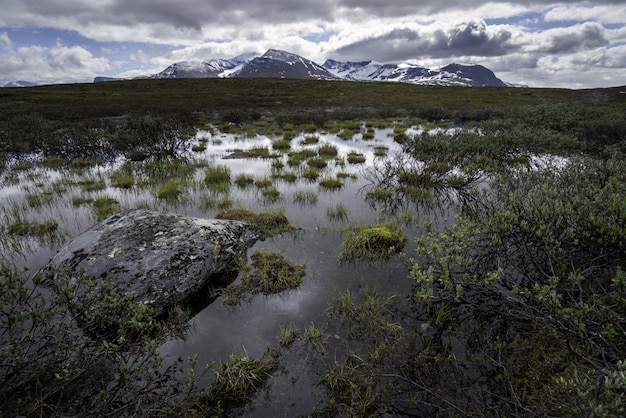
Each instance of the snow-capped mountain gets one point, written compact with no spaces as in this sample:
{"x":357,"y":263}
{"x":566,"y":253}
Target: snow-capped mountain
{"x":281,"y":64}
{"x":216,"y":67}
{"x":20,"y":83}
{"x":452,"y":74}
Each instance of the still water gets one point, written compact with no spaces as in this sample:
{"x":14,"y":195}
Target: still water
{"x":219,"y":330}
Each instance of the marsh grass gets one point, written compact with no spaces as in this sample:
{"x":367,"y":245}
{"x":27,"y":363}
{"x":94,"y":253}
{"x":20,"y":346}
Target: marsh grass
{"x":79,"y":200}
{"x":171,"y":190}
{"x":257,"y":152}
{"x":286,"y":176}
{"x":244,"y":180}
{"x":310,"y":140}
{"x":263,"y":182}
{"x":273,"y":273}
{"x":201,"y":147}
{"x":372,"y":243}
{"x":270,"y":273}
{"x":105,"y":206}
{"x":36,"y":200}
{"x":328,"y":151}
{"x":354,"y":157}
{"x":81,"y":164}
{"x":346,"y":175}
{"x":237,"y":380}
{"x":317,"y":163}
{"x":288,"y":334}
{"x":331,"y":184}
{"x":217,"y":177}
{"x":281,"y":145}
{"x":380,"y":151}
{"x":122,"y":180}
{"x":305,"y":198}
{"x":271,"y":195}
{"x":272,"y":222}
{"x":48,"y":228}
{"x":92,"y":184}
{"x":339,"y":212}
{"x":311,"y":174}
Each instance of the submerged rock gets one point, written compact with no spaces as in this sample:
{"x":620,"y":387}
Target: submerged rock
{"x":161,"y":259}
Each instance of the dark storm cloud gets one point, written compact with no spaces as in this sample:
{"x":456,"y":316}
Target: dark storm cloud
{"x":195,"y":14}
{"x":471,"y":38}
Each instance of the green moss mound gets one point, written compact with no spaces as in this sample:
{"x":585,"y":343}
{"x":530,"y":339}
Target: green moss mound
{"x":372,"y":243}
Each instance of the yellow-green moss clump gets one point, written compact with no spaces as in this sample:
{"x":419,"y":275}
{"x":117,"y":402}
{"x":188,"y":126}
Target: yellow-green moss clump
{"x":372,"y":243}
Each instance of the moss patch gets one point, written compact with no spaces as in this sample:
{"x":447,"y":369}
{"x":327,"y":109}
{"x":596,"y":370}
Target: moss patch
{"x":372,"y":243}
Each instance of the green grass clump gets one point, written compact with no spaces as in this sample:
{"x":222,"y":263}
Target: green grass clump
{"x":372,"y":243}
{"x":305,"y":197}
{"x":81,"y":200}
{"x":217,"y":175}
{"x":237,"y":380}
{"x":217,"y":178}
{"x":281,"y":145}
{"x":369,"y":134}
{"x":318,"y":163}
{"x":288,"y":334}
{"x":310,"y":140}
{"x":104,"y":206}
{"x":271,"y":195}
{"x":379,"y":194}
{"x":263,"y":182}
{"x":297,"y":157}
{"x":345,"y":175}
{"x":46,"y":228}
{"x":287,"y":176}
{"x":380,"y":151}
{"x":311,"y":174}
{"x":339,"y":212}
{"x":83,"y":163}
{"x":354,"y":157}
{"x":36,"y":200}
{"x":257,"y":152}
{"x":91,"y":184}
{"x":244,"y":180}
{"x":271,"y":223}
{"x":273,"y":273}
{"x":122,"y":181}
{"x":331,"y":184}
{"x":328,"y":150}
{"x":201,"y":147}
{"x":170,"y":190}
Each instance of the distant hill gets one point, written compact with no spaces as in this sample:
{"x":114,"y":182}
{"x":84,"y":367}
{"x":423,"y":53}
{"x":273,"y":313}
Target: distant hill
{"x":20,"y":83}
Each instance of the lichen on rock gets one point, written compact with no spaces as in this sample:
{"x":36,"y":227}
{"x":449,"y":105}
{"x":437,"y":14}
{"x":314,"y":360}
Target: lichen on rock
{"x":161,"y":259}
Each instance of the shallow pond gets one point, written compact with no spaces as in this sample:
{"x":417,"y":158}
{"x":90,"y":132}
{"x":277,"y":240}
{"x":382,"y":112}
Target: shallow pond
{"x":219,"y":330}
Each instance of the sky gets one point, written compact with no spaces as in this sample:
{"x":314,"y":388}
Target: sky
{"x":539,"y":43}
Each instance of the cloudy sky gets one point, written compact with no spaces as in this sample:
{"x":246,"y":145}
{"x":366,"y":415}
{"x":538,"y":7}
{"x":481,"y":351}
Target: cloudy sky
{"x":540,"y":43}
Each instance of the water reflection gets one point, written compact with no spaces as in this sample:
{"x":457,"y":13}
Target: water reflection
{"x":218,"y":330}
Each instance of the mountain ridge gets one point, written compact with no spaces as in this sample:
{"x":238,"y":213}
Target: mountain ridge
{"x":282,"y":64}
{"x":276,"y":63}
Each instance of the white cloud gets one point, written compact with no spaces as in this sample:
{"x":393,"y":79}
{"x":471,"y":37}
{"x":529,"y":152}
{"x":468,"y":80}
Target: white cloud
{"x":586,"y":12}
{"x":5,"y":42}
{"x":50,"y":65}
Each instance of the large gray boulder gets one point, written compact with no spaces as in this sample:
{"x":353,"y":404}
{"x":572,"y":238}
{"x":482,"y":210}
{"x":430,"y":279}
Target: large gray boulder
{"x":161,"y":259}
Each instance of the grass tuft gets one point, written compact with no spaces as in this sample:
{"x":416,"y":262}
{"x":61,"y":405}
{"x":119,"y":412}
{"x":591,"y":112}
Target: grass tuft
{"x":372,"y":243}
